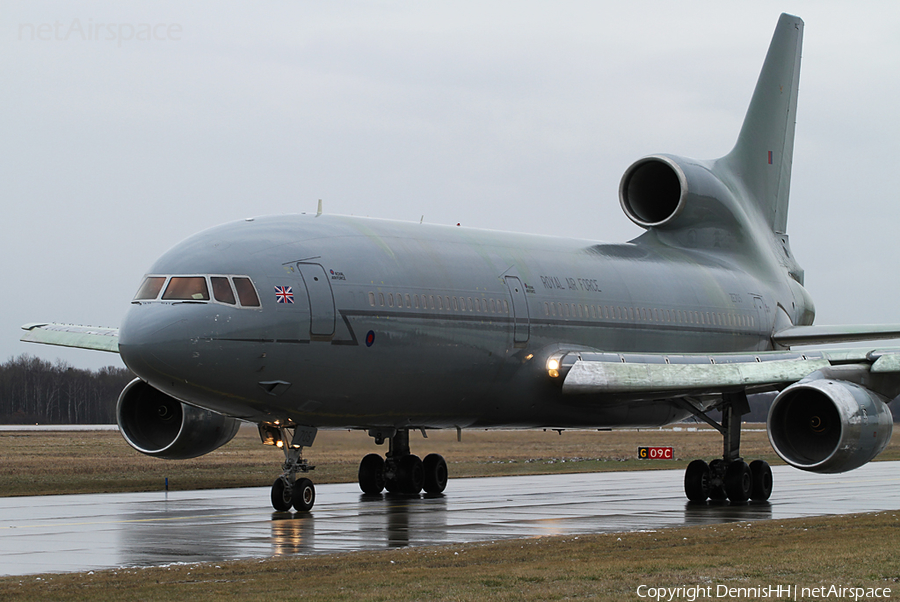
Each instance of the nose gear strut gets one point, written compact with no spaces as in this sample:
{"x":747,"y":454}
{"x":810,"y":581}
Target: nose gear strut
{"x":288,"y":490}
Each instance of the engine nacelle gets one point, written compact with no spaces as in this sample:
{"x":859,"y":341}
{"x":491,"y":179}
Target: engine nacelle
{"x":663,"y":191}
{"x":161,"y":426}
{"x":826,"y":425}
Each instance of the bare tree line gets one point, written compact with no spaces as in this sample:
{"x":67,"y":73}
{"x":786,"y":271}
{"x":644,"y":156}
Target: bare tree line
{"x":33,"y":390}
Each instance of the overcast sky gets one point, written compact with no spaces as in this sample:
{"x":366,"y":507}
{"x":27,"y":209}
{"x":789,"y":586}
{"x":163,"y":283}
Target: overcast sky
{"x":505,"y":115}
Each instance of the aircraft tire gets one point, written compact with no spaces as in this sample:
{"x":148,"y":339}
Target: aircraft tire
{"x":410,"y":475}
{"x":717,"y":492}
{"x":303,"y":495}
{"x":281,"y":495}
{"x":696,"y":481}
{"x":371,"y":474}
{"x":738,"y":481}
{"x":436,"y":475}
{"x":761,"y":476}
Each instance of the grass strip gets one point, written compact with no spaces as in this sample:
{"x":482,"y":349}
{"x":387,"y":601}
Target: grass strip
{"x":37,"y":463}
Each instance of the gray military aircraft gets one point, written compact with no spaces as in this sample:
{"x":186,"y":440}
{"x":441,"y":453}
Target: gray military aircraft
{"x":303,"y":322}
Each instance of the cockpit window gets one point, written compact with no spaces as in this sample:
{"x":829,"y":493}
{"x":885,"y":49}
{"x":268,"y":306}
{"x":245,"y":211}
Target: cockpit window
{"x":246,"y":292}
{"x":187,"y":288}
{"x":222,"y":290}
{"x":150,"y":287}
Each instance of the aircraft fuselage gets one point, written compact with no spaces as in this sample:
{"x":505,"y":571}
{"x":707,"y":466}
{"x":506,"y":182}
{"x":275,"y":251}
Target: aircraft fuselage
{"x":412,"y":325}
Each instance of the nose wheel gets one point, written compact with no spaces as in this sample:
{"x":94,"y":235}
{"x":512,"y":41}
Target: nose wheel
{"x":289,"y":490}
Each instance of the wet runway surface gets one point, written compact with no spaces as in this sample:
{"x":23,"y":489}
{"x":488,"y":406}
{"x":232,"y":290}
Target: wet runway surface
{"x":86,"y":532}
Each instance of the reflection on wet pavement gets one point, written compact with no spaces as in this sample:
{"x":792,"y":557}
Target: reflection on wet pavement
{"x":84,"y":532}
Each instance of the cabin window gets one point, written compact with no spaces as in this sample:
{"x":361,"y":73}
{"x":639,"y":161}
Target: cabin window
{"x":390,"y":299}
{"x":187,"y":288}
{"x":371,"y":298}
{"x":469,"y":303}
{"x":416,"y":301}
{"x":381,"y":299}
{"x":246,"y":292}
{"x":505,"y":306}
{"x":455,"y":306}
{"x":222,"y":290}
{"x":150,"y":287}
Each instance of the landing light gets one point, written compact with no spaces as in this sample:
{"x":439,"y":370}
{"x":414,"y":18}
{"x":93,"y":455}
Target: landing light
{"x":553,"y":367}
{"x":279,"y":444}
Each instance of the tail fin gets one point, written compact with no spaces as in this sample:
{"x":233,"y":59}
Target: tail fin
{"x":761,"y":158}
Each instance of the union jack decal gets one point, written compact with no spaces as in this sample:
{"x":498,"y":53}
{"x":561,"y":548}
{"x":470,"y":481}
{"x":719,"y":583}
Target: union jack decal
{"x":284,"y":294}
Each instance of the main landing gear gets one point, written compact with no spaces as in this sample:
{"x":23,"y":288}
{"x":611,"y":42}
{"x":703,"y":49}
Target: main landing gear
{"x":729,"y":478}
{"x":289,"y":490}
{"x":400,"y":471}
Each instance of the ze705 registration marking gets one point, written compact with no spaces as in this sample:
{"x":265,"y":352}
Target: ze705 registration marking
{"x":656,"y":453}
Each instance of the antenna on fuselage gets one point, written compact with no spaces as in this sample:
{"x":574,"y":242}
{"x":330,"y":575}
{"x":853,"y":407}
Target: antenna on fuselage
{"x":319,"y":210}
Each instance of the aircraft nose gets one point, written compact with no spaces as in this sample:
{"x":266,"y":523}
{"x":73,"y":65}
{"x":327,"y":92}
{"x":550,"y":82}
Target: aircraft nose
{"x":150,"y":341}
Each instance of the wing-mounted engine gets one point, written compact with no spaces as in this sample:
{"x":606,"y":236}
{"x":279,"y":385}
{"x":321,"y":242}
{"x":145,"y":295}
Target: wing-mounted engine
{"x":669,"y":193}
{"x":827,"y":425}
{"x":161,"y":426}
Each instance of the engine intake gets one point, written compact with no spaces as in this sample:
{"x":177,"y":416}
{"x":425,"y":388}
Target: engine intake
{"x":828,"y":426}
{"x":672,"y":193}
{"x":159,"y":425}
{"x":652,"y":191}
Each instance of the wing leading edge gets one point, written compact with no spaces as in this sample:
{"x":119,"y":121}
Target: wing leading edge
{"x":654,"y":376}
{"x":97,"y":338}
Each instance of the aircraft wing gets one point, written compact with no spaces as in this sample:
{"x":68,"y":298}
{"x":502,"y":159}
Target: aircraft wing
{"x":817,"y":335}
{"x":72,"y":335}
{"x":656,"y":375}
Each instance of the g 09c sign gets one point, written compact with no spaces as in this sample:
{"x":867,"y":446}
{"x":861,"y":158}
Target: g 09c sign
{"x":656,"y":453}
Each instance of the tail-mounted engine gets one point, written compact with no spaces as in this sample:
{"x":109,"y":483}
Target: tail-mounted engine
{"x":668,"y":192}
{"x":826,"y":425}
{"x":161,"y":426}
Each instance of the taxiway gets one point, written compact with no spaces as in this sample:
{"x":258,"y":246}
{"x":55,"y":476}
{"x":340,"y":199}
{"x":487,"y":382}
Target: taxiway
{"x":69,"y":533}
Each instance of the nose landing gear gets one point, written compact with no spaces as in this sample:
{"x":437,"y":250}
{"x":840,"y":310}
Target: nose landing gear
{"x":288,"y":490}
